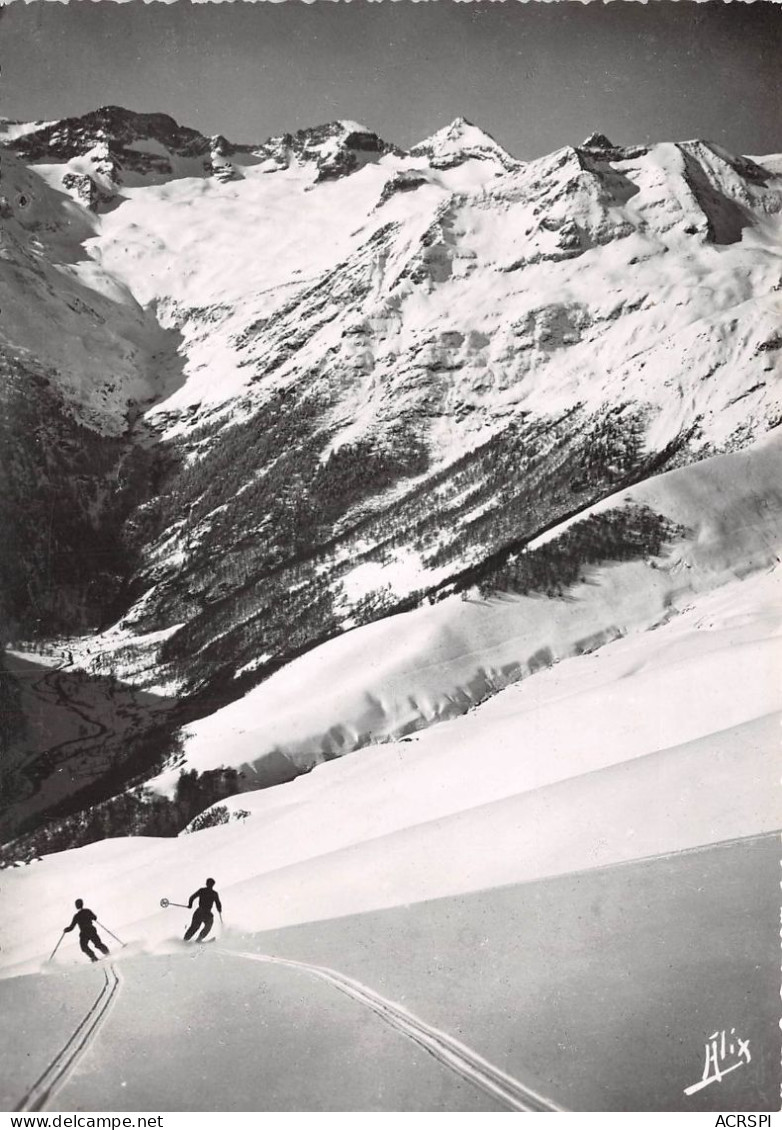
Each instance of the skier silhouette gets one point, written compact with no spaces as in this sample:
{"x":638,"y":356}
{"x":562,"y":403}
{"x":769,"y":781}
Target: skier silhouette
{"x":88,"y":935}
{"x":207,"y":898}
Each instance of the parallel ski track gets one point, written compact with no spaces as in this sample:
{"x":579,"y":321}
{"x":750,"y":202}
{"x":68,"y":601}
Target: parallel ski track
{"x":449,"y":1051}
{"x":80,"y":1039}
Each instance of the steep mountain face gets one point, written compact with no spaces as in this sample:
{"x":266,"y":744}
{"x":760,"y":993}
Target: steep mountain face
{"x":350,"y":380}
{"x":79,"y":359}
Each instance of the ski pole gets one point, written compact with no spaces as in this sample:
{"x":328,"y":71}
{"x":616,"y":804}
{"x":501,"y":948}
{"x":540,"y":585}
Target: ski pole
{"x":114,"y":936}
{"x":54,"y":951}
{"x":165,"y":902}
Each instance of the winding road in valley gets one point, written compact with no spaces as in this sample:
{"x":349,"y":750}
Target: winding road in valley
{"x":76,"y":724}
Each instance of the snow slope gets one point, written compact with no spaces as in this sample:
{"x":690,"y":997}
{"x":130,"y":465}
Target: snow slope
{"x":65,"y":318}
{"x":463,"y":260}
{"x":518,"y":998}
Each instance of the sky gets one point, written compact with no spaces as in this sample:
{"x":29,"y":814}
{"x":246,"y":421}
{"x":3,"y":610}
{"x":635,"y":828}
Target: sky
{"x":534,"y":75}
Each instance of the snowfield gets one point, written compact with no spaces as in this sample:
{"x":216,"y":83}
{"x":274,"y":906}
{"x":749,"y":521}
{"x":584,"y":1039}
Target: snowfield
{"x":687,"y":309}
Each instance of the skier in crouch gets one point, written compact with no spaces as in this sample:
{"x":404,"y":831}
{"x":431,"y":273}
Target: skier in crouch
{"x":88,"y":935}
{"x":207,"y":898}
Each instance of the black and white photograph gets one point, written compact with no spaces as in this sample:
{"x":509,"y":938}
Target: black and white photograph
{"x":390,"y":576}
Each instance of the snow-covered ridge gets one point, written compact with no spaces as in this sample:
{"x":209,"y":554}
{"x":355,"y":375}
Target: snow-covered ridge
{"x":11,"y":130}
{"x":109,"y":149}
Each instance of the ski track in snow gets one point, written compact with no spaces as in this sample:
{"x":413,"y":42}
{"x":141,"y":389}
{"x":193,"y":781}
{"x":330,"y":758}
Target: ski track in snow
{"x":60,"y":1068}
{"x":444,"y":1048}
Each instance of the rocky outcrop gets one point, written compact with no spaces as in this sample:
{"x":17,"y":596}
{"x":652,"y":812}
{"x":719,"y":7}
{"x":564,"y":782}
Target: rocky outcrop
{"x":86,"y":190}
{"x":113,"y":125}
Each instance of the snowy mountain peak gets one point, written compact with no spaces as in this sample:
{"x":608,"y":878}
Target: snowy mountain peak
{"x":597,"y":141}
{"x":459,"y":142}
{"x":335,"y":149}
{"x":352,"y":127}
{"x":110,"y":148}
{"x":107,"y":148}
{"x":69,"y":137}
